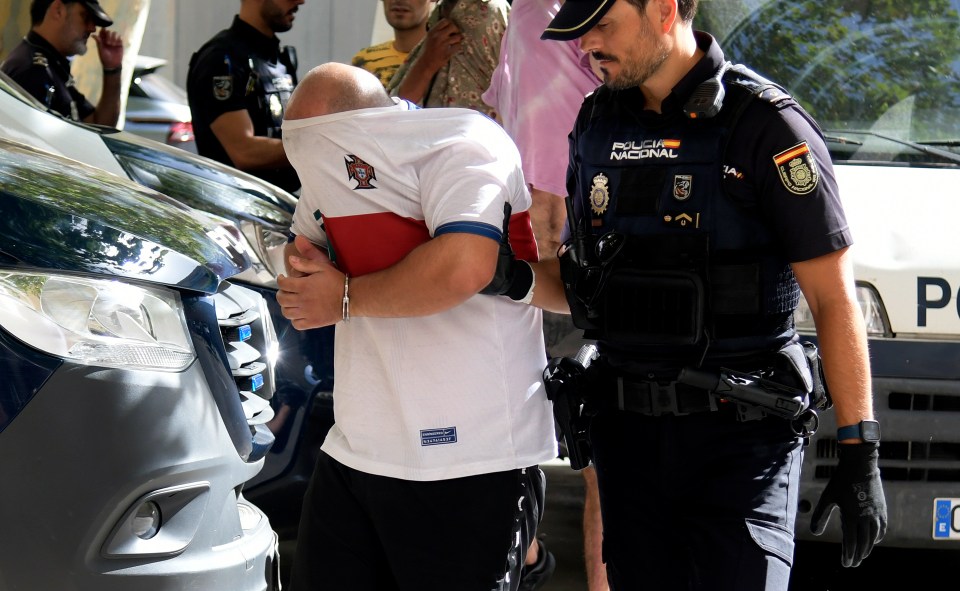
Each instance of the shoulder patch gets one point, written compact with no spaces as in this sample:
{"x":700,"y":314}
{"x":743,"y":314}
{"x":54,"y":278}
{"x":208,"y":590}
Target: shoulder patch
{"x":797,"y":168}
{"x":222,"y":87}
{"x":40,"y":60}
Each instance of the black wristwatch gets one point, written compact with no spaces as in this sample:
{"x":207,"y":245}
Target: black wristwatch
{"x":868,"y":431}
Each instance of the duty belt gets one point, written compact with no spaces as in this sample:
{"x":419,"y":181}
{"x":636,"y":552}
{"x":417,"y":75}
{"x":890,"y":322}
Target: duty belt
{"x":655,"y":399}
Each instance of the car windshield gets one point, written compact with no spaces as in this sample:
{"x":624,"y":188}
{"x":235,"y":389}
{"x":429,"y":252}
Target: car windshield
{"x":877,"y":76}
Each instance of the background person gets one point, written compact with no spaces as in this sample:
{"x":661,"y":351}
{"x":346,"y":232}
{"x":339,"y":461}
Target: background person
{"x":453,"y":65}
{"x":664,"y":204}
{"x":408,"y":18}
{"x":429,"y":478}
{"x":40,"y":63}
{"x":238,"y":84}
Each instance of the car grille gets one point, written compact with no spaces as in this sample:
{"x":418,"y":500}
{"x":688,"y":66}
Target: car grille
{"x":251,"y":345}
{"x":922,"y":444}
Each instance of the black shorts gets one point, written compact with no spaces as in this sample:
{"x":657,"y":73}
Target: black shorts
{"x":362,"y":532}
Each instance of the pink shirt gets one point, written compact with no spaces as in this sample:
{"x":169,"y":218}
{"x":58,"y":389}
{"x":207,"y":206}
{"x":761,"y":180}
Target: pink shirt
{"x":537,"y":89}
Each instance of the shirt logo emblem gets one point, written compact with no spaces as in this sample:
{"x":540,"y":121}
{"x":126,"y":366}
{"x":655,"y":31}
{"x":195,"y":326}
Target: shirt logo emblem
{"x":682,"y":186}
{"x":798,"y":170}
{"x":222,"y":87}
{"x":600,"y":194}
{"x":360,"y":171}
{"x":444,"y":436}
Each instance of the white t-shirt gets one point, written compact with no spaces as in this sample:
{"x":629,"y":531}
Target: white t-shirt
{"x":444,"y":396}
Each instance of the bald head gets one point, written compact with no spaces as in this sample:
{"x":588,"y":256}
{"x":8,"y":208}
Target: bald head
{"x":333,"y":88}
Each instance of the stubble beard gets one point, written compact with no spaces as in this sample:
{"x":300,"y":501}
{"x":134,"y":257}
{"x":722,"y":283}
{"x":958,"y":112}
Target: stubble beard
{"x":275,"y":18}
{"x":637,"y":67}
{"x":634,"y":72}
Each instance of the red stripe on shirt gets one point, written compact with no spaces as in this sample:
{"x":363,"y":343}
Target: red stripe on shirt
{"x":521,"y":237}
{"x":371,"y":242}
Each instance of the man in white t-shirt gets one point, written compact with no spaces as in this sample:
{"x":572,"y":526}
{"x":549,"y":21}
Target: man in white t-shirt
{"x":429,"y":479}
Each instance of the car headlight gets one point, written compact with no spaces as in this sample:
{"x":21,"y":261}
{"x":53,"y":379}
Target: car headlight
{"x":874,"y":314}
{"x":95,"y":321}
{"x":268,"y":244}
{"x":263,"y":245}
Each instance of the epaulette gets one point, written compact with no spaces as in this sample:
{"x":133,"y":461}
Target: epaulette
{"x":756,"y":85}
{"x":39,"y":59}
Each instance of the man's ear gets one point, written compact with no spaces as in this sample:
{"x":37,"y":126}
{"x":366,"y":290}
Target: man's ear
{"x":666,"y":15}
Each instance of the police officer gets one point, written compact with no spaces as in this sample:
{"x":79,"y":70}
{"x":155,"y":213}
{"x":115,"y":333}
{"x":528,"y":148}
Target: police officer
{"x":238,"y":84}
{"x":39,"y":63}
{"x":702,"y":201}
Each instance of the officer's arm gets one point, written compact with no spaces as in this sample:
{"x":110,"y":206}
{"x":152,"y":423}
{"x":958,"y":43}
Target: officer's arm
{"x":548,"y":288}
{"x":247,"y":151}
{"x":110,"y":48}
{"x":828,"y":285}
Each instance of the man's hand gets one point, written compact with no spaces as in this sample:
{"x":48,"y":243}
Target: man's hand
{"x":312,"y":296}
{"x":110,"y":49}
{"x":307,"y":250}
{"x":443,"y":42}
{"x":856,"y":489}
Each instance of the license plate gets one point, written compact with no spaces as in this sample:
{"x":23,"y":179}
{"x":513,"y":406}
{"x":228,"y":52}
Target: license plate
{"x":946,"y":519}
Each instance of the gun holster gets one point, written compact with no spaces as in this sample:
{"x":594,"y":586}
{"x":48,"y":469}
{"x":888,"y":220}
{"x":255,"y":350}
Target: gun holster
{"x":566,"y":381}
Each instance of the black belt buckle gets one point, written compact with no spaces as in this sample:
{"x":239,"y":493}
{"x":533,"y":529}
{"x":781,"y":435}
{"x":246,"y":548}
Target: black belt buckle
{"x":656,"y":399}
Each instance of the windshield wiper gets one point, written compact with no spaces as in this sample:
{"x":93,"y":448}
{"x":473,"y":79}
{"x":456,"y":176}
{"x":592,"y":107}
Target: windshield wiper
{"x":947,"y":143}
{"x":916,"y":146}
{"x":839,"y":139}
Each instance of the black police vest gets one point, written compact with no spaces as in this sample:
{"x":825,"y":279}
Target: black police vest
{"x":270,"y":85}
{"x":266,"y":88}
{"x":663,"y":264}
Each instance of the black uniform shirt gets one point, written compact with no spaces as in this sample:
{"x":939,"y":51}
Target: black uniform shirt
{"x":43,"y":72}
{"x":240,"y":69}
{"x":776,"y":160}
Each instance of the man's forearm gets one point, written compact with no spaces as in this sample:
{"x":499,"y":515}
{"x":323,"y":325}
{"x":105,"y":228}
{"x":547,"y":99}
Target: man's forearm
{"x":436,"y":276}
{"x":846,"y":363}
{"x":417,"y":81}
{"x":107,"y":111}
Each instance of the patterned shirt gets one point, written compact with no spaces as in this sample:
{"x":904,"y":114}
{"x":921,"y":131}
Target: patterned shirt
{"x":382,"y":60}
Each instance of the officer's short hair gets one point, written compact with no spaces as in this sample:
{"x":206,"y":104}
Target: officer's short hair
{"x":686,"y":8}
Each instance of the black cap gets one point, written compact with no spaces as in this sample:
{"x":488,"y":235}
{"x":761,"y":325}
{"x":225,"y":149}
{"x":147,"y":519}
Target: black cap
{"x":575,"y":18}
{"x":39,"y":7}
{"x":99,"y":15}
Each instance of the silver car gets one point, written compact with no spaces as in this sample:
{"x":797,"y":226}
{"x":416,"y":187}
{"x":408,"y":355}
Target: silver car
{"x":157,"y":108}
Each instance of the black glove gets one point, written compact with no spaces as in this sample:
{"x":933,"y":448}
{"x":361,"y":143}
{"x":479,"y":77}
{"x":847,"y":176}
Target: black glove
{"x":855,"y":488}
{"x":512,"y":278}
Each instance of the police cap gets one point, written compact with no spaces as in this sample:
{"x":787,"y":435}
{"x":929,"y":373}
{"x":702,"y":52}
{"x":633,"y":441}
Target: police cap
{"x":38,"y":8}
{"x":575,"y":18}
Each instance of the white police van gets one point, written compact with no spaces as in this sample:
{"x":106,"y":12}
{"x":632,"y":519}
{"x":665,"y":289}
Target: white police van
{"x":882,"y":80}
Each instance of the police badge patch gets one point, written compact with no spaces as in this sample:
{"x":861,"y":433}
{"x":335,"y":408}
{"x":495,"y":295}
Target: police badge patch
{"x":798,"y":170}
{"x":360,"y":171}
{"x":600,"y":194}
{"x":682,"y":186}
{"x":222,"y":87}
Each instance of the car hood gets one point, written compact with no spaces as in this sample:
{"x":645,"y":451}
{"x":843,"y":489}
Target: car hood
{"x":56,"y":213}
{"x":261,"y":201}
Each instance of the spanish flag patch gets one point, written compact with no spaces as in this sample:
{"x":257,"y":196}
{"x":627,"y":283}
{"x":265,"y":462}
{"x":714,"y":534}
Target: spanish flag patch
{"x":797,"y":168}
